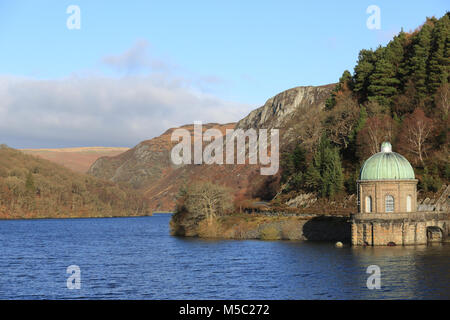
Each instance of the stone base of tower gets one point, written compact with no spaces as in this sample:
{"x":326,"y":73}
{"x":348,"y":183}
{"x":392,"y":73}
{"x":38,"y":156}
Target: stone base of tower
{"x":382,"y":229}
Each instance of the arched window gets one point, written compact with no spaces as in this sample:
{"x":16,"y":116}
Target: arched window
{"x":408,"y":203}
{"x":368,"y":204}
{"x":389,"y":203}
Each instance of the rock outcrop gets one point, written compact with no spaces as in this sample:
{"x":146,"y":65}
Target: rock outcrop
{"x":440,"y":201}
{"x":278,"y":110}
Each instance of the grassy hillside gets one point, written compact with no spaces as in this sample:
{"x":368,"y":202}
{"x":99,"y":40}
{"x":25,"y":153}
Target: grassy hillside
{"x":31,"y":187}
{"x":77,"y":159}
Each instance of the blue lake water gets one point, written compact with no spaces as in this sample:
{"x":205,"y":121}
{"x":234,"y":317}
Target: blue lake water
{"x":136,"y":258}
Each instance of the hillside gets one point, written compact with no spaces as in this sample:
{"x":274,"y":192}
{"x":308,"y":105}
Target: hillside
{"x":31,"y":187}
{"x":76,"y":159}
{"x":147,"y":166}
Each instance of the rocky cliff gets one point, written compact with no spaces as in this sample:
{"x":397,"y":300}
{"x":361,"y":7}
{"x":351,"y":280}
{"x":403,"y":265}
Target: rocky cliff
{"x":148,"y":166}
{"x":279,"y":110}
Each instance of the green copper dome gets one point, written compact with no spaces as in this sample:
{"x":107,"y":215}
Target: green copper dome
{"x":386,"y":165}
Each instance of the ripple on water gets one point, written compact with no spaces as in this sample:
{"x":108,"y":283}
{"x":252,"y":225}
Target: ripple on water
{"x":136,"y":258}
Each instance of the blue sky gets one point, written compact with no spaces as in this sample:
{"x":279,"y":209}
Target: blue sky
{"x":235,"y":54}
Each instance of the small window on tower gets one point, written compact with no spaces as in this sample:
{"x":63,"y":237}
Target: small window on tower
{"x":389,"y":203}
{"x":368,"y":204}
{"x":408,"y":203}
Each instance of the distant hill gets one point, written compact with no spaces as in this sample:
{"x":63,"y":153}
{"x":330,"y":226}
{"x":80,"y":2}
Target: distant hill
{"x":77,"y":159}
{"x":32,"y":187}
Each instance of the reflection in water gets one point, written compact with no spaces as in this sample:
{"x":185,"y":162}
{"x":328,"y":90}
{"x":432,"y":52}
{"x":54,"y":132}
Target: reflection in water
{"x":406,"y":272}
{"x":136,"y":258}
{"x":411,"y":271}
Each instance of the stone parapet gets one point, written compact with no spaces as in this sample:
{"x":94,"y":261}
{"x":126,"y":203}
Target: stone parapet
{"x":409,"y":216}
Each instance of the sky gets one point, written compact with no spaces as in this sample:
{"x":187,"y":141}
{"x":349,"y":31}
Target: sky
{"x":133,"y":69}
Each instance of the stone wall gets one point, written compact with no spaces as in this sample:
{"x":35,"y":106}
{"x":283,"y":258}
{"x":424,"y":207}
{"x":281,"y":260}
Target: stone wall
{"x":397,"y":228}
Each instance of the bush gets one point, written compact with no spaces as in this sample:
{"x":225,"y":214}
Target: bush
{"x":430,"y":182}
{"x":270,"y":232}
{"x":3,"y":172}
{"x":447,"y":171}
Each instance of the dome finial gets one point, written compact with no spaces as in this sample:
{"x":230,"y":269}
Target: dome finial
{"x":386,"y":147}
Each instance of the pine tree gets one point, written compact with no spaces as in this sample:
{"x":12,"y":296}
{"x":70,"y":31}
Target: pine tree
{"x":332,"y":176}
{"x":325,"y":174}
{"x":363,"y":70}
{"x":352,"y":147}
{"x":439,"y":62}
{"x":419,"y":59}
{"x":345,"y":83}
{"x":346,"y":80}
{"x":293,"y":162}
{"x":299,"y":158}
{"x":294,"y":166}
{"x":313,"y":179}
{"x":383,"y":83}
{"x":395,"y":52}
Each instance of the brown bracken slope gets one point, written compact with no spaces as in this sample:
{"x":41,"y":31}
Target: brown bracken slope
{"x":77,"y":159}
{"x":32,"y":187}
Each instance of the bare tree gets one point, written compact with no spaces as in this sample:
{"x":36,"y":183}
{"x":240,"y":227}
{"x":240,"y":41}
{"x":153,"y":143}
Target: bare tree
{"x":342,"y":120}
{"x":416,"y":130}
{"x":376,"y":130}
{"x":207,"y":199}
{"x":306,"y":127}
{"x":443,"y":100}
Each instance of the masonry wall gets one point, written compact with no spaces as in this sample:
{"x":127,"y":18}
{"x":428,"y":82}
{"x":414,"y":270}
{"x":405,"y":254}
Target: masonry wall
{"x":401,"y":229}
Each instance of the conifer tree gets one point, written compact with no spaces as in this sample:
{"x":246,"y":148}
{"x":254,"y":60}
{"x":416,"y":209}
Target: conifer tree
{"x":345,"y":83}
{"x":419,"y":59}
{"x":363,"y":70}
{"x":395,"y":52}
{"x":439,"y":63}
{"x":383,"y":82}
{"x":325,"y":173}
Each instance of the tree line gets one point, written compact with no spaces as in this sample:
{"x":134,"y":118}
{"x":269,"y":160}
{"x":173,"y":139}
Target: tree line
{"x":397,"y":93}
{"x":31,"y":187}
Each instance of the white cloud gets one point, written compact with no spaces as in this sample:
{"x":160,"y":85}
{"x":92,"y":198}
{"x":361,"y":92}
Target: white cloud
{"x":137,"y":59}
{"x":107,"y":111}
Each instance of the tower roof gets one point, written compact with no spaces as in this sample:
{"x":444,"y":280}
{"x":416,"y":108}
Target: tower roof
{"x":386,"y":165}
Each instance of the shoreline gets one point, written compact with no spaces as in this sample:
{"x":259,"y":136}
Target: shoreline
{"x":263,"y":227}
{"x":329,"y":228}
{"x":79,"y":217}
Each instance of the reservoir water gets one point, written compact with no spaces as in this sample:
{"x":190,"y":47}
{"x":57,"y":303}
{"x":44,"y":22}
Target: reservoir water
{"x":136,"y":258}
